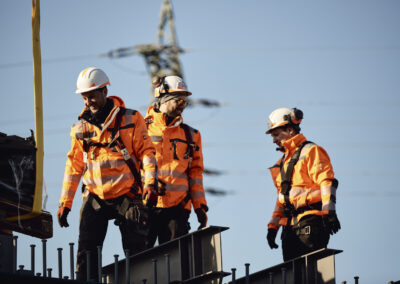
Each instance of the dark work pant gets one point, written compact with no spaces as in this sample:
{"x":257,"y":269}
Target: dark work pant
{"x":295,"y":244}
{"x":94,"y":217}
{"x":167,"y":224}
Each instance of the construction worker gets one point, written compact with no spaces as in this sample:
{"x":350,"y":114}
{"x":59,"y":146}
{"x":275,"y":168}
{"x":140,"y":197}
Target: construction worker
{"x":180,"y":162}
{"x":109,"y":146}
{"x":306,"y":187}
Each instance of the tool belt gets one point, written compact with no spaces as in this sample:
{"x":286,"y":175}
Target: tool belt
{"x":307,"y":225}
{"x":126,"y":208}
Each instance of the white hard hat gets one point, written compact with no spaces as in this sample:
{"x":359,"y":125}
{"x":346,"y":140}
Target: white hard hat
{"x":170,"y":85}
{"x":283,"y":116}
{"x":91,"y":78}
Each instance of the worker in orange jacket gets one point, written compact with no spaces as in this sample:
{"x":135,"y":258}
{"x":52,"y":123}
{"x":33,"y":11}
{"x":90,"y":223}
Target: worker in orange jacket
{"x":180,"y":162}
{"x":109,"y":146}
{"x":306,"y":188}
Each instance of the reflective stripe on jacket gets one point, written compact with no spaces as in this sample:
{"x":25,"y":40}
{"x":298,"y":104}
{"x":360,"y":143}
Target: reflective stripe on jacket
{"x":312,"y":181}
{"x":171,"y":153}
{"x":106,"y":173}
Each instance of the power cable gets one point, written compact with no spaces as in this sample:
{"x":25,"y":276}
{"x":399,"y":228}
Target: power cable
{"x":52,"y":60}
{"x":388,"y":47}
{"x":128,"y":51}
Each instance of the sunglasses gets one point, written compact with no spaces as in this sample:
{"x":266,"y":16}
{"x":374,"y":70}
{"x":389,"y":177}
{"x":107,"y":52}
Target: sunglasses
{"x":181,"y":102}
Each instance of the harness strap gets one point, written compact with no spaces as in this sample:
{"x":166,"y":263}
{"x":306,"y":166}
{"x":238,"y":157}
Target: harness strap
{"x":190,"y":144}
{"x":189,"y":154}
{"x":124,"y":151}
{"x":86,"y":141}
{"x":286,"y":184}
{"x":189,"y":150}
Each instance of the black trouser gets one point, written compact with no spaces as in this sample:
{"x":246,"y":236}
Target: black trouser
{"x":310,"y":235}
{"x":94,"y":217}
{"x":167,"y":224}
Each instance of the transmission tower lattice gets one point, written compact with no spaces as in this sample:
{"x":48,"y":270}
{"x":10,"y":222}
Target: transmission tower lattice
{"x":162,"y":58}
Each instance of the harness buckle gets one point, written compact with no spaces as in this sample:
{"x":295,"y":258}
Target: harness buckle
{"x":85,"y":156}
{"x":307,"y":230}
{"x":125,"y":154}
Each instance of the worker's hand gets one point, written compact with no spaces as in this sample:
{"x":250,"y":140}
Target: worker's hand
{"x":202,"y":216}
{"x":271,"y":236}
{"x":62,"y":216}
{"x":331,"y":222}
{"x":161,"y":187}
{"x":150,"y":197}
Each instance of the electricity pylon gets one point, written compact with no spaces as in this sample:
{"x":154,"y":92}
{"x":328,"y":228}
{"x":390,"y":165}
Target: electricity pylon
{"x":161,"y":57}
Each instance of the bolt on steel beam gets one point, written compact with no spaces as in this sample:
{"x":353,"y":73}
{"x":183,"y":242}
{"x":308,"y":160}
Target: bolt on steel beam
{"x":154,"y":271}
{"x":99,"y":263}
{"x":71,"y":260}
{"x":59,"y":263}
{"x":116,"y":268}
{"x":247,"y":273}
{"x":33,"y":259}
{"x":233,"y":275}
{"x":44,"y":257}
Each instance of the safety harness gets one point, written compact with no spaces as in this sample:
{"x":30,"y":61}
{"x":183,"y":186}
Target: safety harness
{"x":286,"y":185}
{"x":116,"y":140}
{"x":189,"y":142}
{"x":189,"y":154}
{"x":191,"y":147}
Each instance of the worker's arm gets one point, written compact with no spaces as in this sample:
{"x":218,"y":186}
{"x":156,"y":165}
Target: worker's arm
{"x":145,"y":152}
{"x":196,"y":188}
{"x":73,"y":170}
{"x":196,"y":175}
{"x":277,"y":215}
{"x":321,"y":172}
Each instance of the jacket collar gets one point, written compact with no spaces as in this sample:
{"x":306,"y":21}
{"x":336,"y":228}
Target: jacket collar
{"x":117,"y":104}
{"x":293,"y":143}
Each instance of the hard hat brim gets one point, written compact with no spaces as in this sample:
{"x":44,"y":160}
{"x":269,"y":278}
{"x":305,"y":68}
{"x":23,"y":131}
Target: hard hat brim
{"x":276,"y":126}
{"x":80,"y":91}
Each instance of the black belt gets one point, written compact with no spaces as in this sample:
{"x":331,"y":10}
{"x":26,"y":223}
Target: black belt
{"x":288,"y":212}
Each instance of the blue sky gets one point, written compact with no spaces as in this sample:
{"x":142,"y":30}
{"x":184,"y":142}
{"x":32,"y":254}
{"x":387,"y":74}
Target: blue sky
{"x":338,"y":61}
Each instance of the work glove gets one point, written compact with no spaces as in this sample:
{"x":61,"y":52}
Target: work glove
{"x":150,"y":197}
{"x":202,"y":216}
{"x":138,"y":213}
{"x":161,"y":187}
{"x":271,"y":236}
{"x":62,"y":214}
{"x":331,"y":222}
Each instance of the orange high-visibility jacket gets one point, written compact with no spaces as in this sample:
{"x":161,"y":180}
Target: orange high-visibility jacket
{"x":106,"y":173}
{"x":177,"y":172}
{"x":313,"y":181}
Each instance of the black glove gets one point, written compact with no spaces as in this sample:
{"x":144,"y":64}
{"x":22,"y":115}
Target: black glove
{"x":331,"y":222}
{"x":62,"y":216}
{"x":201,"y":216}
{"x":150,"y":197}
{"x":271,"y":236}
{"x":137,"y":213}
